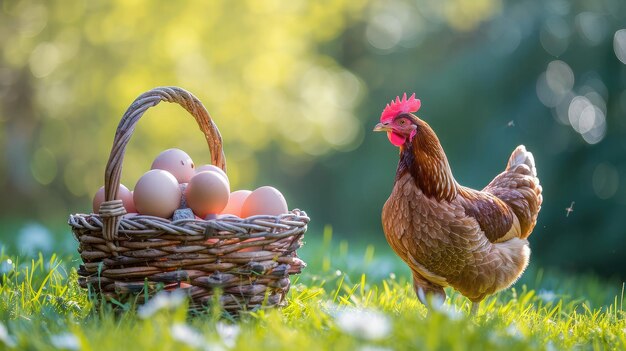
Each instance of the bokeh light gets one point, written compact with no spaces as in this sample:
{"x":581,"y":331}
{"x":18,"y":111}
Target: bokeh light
{"x":555,"y":36}
{"x":592,"y":26}
{"x":384,"y":31}
{"x":619,"y":45}
{"x":605,"y":180}
{"x":587,"y":119}
{"x":555,"y":83}
{"x":260,"y":80}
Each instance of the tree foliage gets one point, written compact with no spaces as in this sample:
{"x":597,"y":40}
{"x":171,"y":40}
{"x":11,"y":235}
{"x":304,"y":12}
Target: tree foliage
{"x":295,"y":88}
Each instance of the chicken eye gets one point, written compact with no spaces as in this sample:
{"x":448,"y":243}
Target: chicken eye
{"x":402,"y":122}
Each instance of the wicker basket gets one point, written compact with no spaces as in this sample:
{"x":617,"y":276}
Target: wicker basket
{"x":128,"y":259}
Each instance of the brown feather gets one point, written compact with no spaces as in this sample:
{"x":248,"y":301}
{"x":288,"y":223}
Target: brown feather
{"x":450,"y":235}
{"x":494,"y":217}
{"x":427,"y":163}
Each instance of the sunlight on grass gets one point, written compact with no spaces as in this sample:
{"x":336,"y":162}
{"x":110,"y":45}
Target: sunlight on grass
{"x":329,"y":307}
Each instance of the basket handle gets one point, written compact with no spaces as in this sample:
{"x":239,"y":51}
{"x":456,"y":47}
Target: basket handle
{"x":111,"y":210}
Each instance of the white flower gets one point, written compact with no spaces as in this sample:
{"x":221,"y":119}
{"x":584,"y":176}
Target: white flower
{"x":6,"y":266}
{"x":5,"y":337}
{"x":450,"y":311}
{"x":366,"y":324}
{"x":187,"y":335}
{"x":513,"y":331}
{"x":546,"y":296}
{"x":33,"y":238}
{"x":65,"y":341}
{"x":193,"y":338}
{"x":213,"y":346}
{"x":228,"y":333}
{"x":162,"y":300}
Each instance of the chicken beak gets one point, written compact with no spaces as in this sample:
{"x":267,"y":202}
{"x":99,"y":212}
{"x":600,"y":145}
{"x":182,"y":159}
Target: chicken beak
{"x":382,"y":127}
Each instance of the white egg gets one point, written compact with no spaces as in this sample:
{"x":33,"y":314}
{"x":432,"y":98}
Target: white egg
{"x":157,"y":193}
{"x":177,"y":162}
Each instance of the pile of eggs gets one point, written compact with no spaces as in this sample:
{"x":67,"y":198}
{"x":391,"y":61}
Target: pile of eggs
{"x":174,"y":183}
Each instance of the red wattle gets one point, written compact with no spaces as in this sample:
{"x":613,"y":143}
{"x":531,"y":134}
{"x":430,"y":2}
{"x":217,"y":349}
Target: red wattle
{"x":396,"y":140}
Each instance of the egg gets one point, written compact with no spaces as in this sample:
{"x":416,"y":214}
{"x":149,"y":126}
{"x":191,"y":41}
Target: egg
{"x":207,"y":193}
{"x":157,"y":193}
{"x":177,"y":162}
{"x":265,"y":200}
{"x":213,"y":168}
{"x":235,"y":202}
{"x":122,"y":194}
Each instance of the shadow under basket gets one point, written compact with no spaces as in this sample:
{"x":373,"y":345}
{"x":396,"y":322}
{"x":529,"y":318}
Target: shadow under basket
{"x":246,"y":263}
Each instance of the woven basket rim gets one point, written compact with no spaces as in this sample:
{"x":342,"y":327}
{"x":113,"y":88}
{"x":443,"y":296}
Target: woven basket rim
{"x":144,"y":225}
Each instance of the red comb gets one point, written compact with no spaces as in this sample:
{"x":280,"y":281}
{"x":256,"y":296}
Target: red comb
{"x":397,"y":107}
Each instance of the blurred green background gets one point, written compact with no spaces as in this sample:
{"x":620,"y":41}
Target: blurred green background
{"x":295,"y":88}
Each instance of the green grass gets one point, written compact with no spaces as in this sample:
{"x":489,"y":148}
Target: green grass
{"x":344,"y":301}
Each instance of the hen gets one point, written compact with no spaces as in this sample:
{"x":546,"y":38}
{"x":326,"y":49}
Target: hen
{"x":448,"y":234}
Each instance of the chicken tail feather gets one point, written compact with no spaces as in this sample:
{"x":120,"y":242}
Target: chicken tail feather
{"x":521,"y":157}
{"x":519,"y":187}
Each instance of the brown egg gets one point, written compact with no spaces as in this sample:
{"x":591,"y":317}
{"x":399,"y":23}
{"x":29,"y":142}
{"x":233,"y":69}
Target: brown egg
{"x":213,"y":168}
{"x":122,"y":194}
{"x":207,"y":193}
{"x":265,"y":200}
{"x":177,"y":162}
{"x":157,"y":194}
{"x":235,"y":202}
